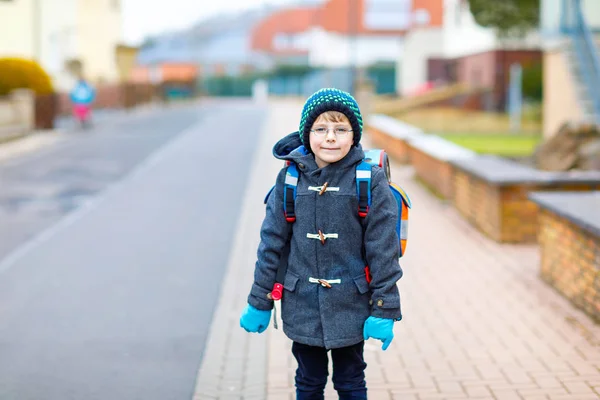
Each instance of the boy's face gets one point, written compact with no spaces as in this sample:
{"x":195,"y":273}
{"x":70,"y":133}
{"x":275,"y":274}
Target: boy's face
{"x":330,"y":141}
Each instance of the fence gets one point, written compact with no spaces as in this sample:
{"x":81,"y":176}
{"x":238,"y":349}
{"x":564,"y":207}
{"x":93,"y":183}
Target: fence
{"x":383,"y":79}
{"x":17,"y":113}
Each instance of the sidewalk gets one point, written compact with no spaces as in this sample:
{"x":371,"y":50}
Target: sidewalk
{"x":30,"y":143}
{"x":478,"y":321}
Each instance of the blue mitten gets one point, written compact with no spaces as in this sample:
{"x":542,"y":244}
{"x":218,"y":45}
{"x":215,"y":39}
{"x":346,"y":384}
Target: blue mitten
{"x":255,"y":320}
{"x":381,"y":329}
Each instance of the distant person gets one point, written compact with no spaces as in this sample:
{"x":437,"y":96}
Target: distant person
{"x":82,"y":97}
{"x":331,"y":301}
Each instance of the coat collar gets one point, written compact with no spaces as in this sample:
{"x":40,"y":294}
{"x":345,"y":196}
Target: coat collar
{"x":290,"y":148}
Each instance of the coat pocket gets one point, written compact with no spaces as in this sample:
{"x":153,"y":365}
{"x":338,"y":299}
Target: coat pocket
{"x":361,"y":283}
{"x":290,"y":281}
{"x":289,"y":308}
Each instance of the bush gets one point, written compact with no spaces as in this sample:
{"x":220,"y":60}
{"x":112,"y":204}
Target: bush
{"x":533,"y":82}
{"x":18,"y":73}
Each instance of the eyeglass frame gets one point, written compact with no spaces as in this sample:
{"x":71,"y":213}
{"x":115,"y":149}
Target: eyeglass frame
{"x":344,"y":133}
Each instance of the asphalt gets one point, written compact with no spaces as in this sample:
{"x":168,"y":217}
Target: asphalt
{"x":114,"y":246}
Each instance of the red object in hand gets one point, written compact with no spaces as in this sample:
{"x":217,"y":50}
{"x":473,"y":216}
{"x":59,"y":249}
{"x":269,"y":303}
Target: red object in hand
{"x":277,"y":291}
{"x":368,"y":274}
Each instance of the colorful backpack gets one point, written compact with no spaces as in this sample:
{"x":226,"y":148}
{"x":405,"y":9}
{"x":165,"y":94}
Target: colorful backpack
{"x":363,"y":188}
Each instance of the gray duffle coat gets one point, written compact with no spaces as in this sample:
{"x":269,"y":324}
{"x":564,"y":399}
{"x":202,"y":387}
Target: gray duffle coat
{"x":313,"y":314}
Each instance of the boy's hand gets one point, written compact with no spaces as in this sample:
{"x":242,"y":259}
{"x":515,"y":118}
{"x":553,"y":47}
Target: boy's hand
{"x":255,"y":320}
{"x":380,"y":329}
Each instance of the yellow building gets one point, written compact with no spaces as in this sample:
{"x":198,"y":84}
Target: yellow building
{"x":18,"y":34}
{"x":126,"y":61}
{"x":58,"y":32}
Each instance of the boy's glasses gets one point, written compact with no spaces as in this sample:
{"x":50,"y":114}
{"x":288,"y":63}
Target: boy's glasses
{"x":339,"y":131}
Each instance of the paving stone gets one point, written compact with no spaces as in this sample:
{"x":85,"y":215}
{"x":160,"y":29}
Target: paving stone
{"x":477,"y":318}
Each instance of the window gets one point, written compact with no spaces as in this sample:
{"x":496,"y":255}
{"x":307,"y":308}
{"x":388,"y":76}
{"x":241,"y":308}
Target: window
{"x":282,"y":41}
{"x":421,"y":17}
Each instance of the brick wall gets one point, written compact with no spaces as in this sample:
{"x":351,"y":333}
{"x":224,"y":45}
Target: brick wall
{"x":437,"y":174}
{"x":478,"y":202}
{"x":503,"y":212}
{"x":518,"y":214}
{"x":496,"y":203}
{"x":570,"y":258}
{"x":395,"y":147}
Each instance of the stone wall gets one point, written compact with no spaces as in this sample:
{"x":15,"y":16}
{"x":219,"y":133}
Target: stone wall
{"x":17,"y":114}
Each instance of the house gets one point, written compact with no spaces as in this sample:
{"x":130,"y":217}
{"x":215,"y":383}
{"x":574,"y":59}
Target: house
{"x":446,"y":45}
{"x":61,"y":34}
{"x":20,"y":34}
{"x":340,"y":37}
{"x":570,"y":31}
{"x":218,"y":46}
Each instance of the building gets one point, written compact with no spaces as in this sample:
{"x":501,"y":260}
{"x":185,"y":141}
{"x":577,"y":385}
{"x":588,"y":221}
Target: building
{"x":126,"y":59}
{"x":20,"y":33}
{"x":337,"y":33}
{"x":338,"y":39}
{"x":571,"y":37}
{"x":217,"y":46}
{"x":446,"y":45}
{"x":63,"y":33}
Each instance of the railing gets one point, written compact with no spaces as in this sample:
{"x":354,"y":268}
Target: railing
{"x":574,"y":24}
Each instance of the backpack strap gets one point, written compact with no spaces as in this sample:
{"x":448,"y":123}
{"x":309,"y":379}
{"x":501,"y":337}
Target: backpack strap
{"x":289,"y":192}
{"x":363,"y":187}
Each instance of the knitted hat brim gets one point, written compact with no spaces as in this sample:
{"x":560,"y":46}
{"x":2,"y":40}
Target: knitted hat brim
{"x":331,"y":106}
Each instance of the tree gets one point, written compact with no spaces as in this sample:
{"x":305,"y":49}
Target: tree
{"x":509,"y":17}
{"x":148,"y":42}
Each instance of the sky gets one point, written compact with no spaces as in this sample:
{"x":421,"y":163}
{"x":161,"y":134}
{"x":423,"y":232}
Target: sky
{"x":142,"y":18}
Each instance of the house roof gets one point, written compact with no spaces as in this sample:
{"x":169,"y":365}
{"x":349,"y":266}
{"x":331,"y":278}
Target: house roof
{"x":293,"y":20}
{"x":348,"y":16}
{"x":338,"y":16}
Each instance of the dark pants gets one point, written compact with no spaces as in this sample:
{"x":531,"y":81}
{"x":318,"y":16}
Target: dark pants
{"x":348,"y":372}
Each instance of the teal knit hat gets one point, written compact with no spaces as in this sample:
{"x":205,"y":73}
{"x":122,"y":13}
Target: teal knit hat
{"x":330,"y":99}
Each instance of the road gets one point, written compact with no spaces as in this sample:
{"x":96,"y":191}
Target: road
{"x":113,"y":245}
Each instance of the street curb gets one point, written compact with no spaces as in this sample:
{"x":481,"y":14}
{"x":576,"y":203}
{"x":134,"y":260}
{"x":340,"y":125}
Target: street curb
{"x":235,"y":363}
{"x":29,"y":143}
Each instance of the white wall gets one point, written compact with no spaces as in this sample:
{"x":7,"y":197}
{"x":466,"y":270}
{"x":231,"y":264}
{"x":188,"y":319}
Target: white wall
{"x":459,"y":36}
{"x":334,"y":50}
{"x":85,"y":29}
{"x":328,"y":50}
{"x":99,"y":26}
{"x":58,"y":38}
{"x":591,"y":13}
{"x":17,"y":29}
{"x":550,"y":17}
{"x":370,"y":49}
{"x":462,"y":35}
{"x":419,"y":45}
{"x":550,"y":14}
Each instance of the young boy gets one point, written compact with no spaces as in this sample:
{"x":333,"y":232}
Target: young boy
{"x":328,"y":303}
